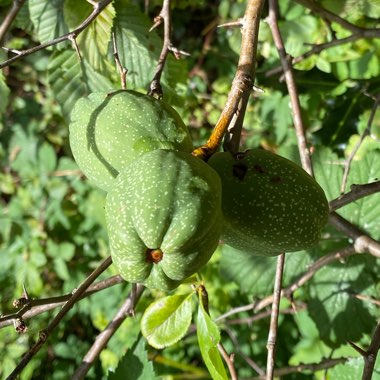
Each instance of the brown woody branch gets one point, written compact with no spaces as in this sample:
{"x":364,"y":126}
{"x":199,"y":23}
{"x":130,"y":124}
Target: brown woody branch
{"x":71,"y":36}
{"x":292,"y":87}
{"x":164,"y":16}
{"x":242,"y":85}
{"x":332,"y":17}
{"x":357,"y":192}
{"x":363,"y":243}
{"x":44,"y":334}
{"x":313,"y":367}
{"x":317,"y":48}
{"x":101,"y":341}
{"x":32,"y":307}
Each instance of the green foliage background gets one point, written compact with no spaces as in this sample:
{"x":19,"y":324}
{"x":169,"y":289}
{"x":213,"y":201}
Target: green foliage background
{"x":52,"y":231}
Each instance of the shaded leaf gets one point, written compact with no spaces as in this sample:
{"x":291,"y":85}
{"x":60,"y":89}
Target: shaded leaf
{"x":353,"y":370}
{"x":71,"y":79}
{"x":167,"y":320}
{"x":333,"y":300}
{"x":255,"y":274}
{"x":135,"y":364}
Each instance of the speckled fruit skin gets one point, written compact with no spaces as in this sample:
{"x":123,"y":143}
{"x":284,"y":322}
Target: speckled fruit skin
{"x":168,"y":202}
{"x":109,"y":130}
{"x":270,"y":204}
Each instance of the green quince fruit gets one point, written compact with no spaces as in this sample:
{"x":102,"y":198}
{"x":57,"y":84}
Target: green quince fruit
{"x":164,"y":218}
{"x":270,"y":204}
{"x":109,"y":130}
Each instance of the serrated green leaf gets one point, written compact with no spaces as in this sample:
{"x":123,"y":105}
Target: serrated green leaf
{"x":47,"y":18}
{"x":365,"y":212}
{"x":4,"y":92}
{"x":47,"y":158}
{"x":353,"y":370}
{"x":93,"y":42}
{"x":167,"y":320}
{"x":138,"y":49}
{"x":255,"y":274}
{"x":135,"y":364}
{"x":333,"y":300}
{"x":328,"y":170}
{"x":208,"y":338}
{"x":71,"y":78}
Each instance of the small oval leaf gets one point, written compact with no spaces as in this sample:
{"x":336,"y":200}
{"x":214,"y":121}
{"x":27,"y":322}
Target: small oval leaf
{"x":167,"y":320}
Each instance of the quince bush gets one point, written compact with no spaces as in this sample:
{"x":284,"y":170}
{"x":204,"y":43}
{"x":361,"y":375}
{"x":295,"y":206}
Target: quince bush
{"x":167,"y":209}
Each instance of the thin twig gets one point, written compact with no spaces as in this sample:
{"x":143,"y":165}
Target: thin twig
{"x":264,"y":314}
{"x":122,"y":70}
{"x":246,"y":358}
{"x":357,"y":192}
{"x":155,"y":87}
{"x":312,"y":367}
{"x":292,"y":87}
{"x":241,"y":86}
{"x":363,"y":243}
{"x":98,"y":8}
{"x":34,"y":307}
{"x":326,"y":14}
{"x":9,"y":18}
{"x":289,"y":290}
{"x":44,"y":334}
{"x":317,"y":48}
{"x":101,"y":341}
{"x":367,"y":132}
{"x":272,"y":337}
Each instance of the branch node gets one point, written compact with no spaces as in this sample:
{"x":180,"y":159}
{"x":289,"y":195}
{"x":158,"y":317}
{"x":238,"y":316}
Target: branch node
{"x":20,"y":326}
{"x":158,"y":20}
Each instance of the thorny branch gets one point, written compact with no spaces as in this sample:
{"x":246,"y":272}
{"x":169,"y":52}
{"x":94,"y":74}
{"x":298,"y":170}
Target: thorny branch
{"x":357,"y":192}
{"x":164,"y":17}
{"x":32,"y":307}
{"x":44,"y":334}
{"x":101,"y":341}
{"x":292,"y":87}
{"x":242,"y":84}
{"x":71,"y":36}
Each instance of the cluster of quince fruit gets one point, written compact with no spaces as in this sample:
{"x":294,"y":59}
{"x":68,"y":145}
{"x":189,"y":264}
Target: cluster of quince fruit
{"x":166,"y":210}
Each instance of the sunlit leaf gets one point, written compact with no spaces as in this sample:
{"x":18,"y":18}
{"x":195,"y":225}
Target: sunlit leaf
{"x":47,"y":17}
{"x":167,"y":320}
